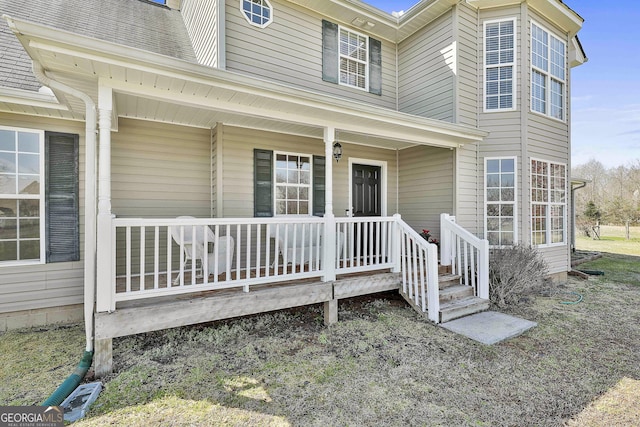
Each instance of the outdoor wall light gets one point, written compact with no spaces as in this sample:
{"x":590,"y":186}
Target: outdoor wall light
{"x":337,"y":151}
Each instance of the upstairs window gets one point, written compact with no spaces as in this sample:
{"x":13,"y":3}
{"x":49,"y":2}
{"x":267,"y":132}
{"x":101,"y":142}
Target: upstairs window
{"x":257,"y":12}
{"x":499,"y":65}
{"x":548,"y":73}
{"x":351,"y":59}
{"x":354,"y":57}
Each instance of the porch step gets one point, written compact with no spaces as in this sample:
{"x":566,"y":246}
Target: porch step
{"x":456,"y":292}
{"x":462,"y":307}
{"x":448,"y":280}
{"x":444,"y":269}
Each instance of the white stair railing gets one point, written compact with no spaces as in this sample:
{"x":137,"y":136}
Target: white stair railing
{"x":467,"y":255}
{"x":419,"y":266}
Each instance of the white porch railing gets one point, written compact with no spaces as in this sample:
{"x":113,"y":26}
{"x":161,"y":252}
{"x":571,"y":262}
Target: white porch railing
{"x":162,"y":257}
{"x":467,"y":255}
{"x":365,"y":243}
{"x":166,"y":257}
{"x":419,"y":265}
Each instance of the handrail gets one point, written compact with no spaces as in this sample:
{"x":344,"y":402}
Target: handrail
{"x":467,"y":255}
{"x":419,"y":271}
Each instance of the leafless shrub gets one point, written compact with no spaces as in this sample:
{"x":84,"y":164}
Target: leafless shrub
{"x":514,"y":273}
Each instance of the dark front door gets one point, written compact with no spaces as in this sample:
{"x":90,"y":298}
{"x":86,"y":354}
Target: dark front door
{"x":366,"y":191}
{"x":366,"y":201}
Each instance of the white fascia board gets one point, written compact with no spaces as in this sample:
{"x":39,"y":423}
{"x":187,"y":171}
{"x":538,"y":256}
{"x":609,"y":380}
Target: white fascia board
{"x":27,"y":97}
{"x":37,"y":37}
{"x":554,"y":10}
{"x":576,"y":53}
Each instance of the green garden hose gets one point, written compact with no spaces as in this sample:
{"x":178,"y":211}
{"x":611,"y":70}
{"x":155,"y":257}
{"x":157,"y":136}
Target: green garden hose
{"x":573,"y":302}
{"x":71,"y":382}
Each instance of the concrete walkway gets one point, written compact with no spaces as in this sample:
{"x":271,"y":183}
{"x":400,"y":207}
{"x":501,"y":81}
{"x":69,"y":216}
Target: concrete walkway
{"x":489,"y":327}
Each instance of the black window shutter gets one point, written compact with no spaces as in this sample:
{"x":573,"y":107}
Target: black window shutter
{"x":61,"y":197}
{"x":375,"y":66}
{"x":318,"y":185}
{"x":262,"y":183}
{"x":330,"y":55}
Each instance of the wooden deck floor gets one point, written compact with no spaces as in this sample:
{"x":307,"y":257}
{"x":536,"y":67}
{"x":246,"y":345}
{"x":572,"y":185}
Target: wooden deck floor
{"x":138,"y":316}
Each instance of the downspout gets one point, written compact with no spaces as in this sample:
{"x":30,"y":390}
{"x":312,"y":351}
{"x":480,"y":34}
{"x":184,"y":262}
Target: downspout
{"x":573,"y":213}
{"x":90,"y":232}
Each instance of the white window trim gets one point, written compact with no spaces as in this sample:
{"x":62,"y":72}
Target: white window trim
{"x":383,"y":185}
{"x":367,"y":63}
{"x":275,"y":183}
{"x":514,"y":64}
{"x":515,"y":198}
{"x":549,"y":204}
{"x":40,"y":198}
{"x":548,"y":76}
{"x":266,"y":24}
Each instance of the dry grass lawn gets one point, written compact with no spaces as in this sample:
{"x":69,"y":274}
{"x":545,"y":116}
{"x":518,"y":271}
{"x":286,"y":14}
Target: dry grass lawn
{"x":381,"y":364}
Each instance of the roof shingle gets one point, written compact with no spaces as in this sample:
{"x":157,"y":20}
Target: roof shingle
{"x":135,"y":23}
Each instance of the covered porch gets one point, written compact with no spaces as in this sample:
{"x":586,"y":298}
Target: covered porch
{"x":136,"y":275}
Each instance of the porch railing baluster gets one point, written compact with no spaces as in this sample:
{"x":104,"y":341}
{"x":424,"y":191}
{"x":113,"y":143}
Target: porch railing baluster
{"x":292,"y":247}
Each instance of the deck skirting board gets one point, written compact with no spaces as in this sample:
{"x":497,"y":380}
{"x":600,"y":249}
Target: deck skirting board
{"x":363,"y":285}
{"x":202,"y":309}
{"x":136,"y":320}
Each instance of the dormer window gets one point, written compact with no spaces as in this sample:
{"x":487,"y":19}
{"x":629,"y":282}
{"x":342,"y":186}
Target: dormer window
{"x":257,"y":12}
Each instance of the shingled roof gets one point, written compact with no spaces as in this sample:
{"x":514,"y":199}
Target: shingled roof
{"x":136,"y":23}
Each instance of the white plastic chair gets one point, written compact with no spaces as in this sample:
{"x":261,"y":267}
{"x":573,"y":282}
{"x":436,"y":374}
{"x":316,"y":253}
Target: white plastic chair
{"x":197,"y":251}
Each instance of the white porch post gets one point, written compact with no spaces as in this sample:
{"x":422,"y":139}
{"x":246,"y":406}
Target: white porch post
{"x":104,"y":294}
{"x":396,"y":236}
{"x":329,"y":264}
{"x":446,"y":238}
{"x":483,"y":271}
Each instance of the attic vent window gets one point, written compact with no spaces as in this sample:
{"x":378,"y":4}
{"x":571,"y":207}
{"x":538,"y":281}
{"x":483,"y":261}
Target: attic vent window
{"x":257,"y":12}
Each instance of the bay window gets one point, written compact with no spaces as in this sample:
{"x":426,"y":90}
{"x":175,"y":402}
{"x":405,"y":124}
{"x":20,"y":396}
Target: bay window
{"x":548,"y":73}
{"x":548,"y":203}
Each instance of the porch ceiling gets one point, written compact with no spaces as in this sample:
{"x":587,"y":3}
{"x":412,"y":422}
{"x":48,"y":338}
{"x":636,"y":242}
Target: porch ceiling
{"x":158,"y":88}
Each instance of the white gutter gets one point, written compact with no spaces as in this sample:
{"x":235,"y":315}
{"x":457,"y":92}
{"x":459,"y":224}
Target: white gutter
{"x":89,"y":195}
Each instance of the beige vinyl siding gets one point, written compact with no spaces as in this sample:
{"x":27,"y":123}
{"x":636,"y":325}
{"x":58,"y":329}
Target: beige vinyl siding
{"x":548,"y":139}
{"x":45,"y":285}
{"x":289,"y":51}
{"x":468,"y":57}
{"x":426,"y":186}
{"x":468,"y":208}
{"x":201,"y":19}
{"x":557,"y":258}
{"x":426,"y":71}
{"x":160,"y":170}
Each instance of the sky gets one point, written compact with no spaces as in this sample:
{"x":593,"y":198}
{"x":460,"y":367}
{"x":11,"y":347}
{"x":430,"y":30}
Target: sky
{"x":605,"y":98}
